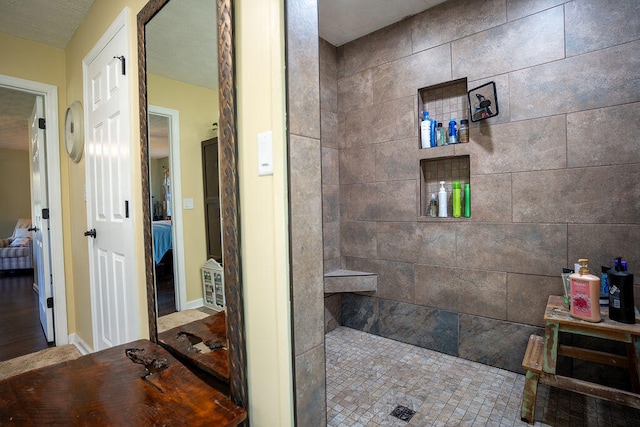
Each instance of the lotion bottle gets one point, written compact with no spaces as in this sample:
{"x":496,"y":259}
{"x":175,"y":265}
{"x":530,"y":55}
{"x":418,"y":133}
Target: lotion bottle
{"x":585,"y":294}
{"x":467,"y":201}
{"x":425,"y":130}
{"x":442,"y":201}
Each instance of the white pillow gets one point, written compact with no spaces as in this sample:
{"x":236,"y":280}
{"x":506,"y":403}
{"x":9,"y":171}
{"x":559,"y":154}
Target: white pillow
{"x":22,"y":232}
{"x":21,"y":241}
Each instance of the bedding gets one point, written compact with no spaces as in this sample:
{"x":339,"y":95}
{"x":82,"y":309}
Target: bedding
{"x":162,"y":239}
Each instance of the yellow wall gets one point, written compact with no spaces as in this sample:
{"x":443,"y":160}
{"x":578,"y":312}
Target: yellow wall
{"x":100,"y":17}
{"x":198,"y":107}
{"x":264,"y":212}
{"x":15,"y":191}
{"x":44,"y":64}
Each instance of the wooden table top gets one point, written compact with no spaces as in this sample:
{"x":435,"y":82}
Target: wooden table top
{"x":138,"y":383}
{"x":212,"y":332}
{"x":556,"y":312}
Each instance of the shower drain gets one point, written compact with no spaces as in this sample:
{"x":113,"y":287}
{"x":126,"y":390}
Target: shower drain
{"x":403,"y":413}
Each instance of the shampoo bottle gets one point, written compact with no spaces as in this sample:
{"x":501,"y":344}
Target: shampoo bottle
{"x":425,"y":130}
{"x":456,"y":200}
{"x":433,"y":206}
{"x":621,"y":303}
{"x":442,"y":201}
{"x":467,"y":201}
{"x":585,"y":294}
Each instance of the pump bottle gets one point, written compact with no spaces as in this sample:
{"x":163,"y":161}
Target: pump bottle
{"x":442,"y":201}
{"x":585,"y":294}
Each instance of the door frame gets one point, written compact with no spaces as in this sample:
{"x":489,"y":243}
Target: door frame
{"x":179,"y":274}
{"x":52,"y":148}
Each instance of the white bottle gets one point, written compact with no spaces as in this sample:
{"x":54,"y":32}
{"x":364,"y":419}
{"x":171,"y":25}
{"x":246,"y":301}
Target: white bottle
{"x":425,"y":131}
{"x":442,"y":201}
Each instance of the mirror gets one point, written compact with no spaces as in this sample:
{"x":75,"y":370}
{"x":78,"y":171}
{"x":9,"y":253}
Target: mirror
{"x":227,"y":158}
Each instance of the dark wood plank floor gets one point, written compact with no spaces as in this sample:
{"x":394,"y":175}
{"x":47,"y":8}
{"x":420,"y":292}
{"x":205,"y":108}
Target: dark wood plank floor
{"x":20,"y":329}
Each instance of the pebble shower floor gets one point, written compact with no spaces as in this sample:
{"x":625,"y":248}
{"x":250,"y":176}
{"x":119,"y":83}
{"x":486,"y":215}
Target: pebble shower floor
{"x":369,"y":376}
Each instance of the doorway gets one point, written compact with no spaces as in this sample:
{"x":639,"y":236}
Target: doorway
{"x":49,"y":95}
{"x":166,"y":194}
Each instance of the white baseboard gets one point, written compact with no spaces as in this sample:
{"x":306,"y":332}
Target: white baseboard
{"x":82,"y":346}
{"x":196,"y":303}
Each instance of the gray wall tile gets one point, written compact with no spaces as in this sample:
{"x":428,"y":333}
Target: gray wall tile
{"x":515,"y":248}
{"x":358,"y":238}
{"x":382,"y":122}
{"x":311,"y":402}
{"x":328,"y":92}
{"x":355,"y":91}
{"x":330,"y":166}
{"x":527,"y":296}
{"x":453,"y":20}
{"x":606,"y":195}
{"x":494,"y":342}
{"x":395,"y":279}
{"x":491,"y":198}
{"x":533,"y":40}
{"x":608,"y":22}
{"x":601,"y":244}
{"x":462,"y":290}
{"x":605,"y":136}
{"x":403,"y":77}
{"x":376,"y":48}
{"x":520,"y":146}
{"x":330,"y":203}
{"x":421,"y":326}
{"x":328,"y":59}
{"x":593,"y":80}
{"x":382,"y":201}
{"x":329,"y":129}
{"x":357,"y":164}
{"x":360,"y":312}
{"x":517,"y":9}
{"x":396,"y":160}
{"x":306,"y":241}
{"x":331,"y":240}
{"x":417,"y":242}
{"x":332,"y":304}
{"x":304,"y":70}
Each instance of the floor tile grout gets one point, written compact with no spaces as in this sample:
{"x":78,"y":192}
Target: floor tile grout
{"x":368,"y":376}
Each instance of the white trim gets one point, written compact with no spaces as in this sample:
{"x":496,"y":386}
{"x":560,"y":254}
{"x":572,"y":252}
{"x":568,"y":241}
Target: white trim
{"x":179,"y":274}
{"x":82,"y":346}
{"x":50,"y":94}
{"x":196,"y":303}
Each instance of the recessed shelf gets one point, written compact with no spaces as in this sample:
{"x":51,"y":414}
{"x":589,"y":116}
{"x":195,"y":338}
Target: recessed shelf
{"x":443,"y":102}
{"x":448,"y":169}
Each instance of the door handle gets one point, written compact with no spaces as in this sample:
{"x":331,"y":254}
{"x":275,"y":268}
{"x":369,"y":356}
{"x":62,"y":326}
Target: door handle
{"x":32,"y":229}
{"x":91,"y":233}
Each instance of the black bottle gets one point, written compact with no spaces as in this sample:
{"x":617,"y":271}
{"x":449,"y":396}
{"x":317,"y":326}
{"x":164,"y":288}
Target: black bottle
{"x":621,"y":303}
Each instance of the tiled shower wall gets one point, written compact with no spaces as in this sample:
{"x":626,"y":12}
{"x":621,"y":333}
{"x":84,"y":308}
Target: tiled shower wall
{"x":555,"y":177}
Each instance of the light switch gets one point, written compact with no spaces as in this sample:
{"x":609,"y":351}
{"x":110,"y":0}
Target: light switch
{"x":265,"y":154}
{"x":187,"y":203}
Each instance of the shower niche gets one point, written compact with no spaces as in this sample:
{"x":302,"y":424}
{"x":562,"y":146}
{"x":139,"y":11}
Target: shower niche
{"x":447,"y":169}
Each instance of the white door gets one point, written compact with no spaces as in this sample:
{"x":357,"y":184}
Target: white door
{"x":108,"y":173}
{"x":40,"y":222}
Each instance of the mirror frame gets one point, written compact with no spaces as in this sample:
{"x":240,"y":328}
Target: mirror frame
{"x":228,"y":187}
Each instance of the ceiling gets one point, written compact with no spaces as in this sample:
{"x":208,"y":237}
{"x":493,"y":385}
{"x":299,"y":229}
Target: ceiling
{"x":176,"y":55}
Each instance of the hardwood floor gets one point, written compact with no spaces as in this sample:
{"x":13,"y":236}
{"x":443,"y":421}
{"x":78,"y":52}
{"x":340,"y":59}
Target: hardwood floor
{"x":20,"y":329}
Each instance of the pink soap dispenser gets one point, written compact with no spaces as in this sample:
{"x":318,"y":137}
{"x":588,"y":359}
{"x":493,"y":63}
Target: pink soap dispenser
{"x":585,"y":294}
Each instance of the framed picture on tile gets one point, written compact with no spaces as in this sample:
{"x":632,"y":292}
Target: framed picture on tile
{"x":483,"y":102}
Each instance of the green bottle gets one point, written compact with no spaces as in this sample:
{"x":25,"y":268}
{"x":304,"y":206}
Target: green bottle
{"x":456,"y":199}
{"x":467,"y":201}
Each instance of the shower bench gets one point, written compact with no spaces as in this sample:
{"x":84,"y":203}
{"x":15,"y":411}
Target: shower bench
{"x":349,"y":281}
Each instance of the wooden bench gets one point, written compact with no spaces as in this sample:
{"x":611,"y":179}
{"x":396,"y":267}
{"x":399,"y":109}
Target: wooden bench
{"x":542,"y":353}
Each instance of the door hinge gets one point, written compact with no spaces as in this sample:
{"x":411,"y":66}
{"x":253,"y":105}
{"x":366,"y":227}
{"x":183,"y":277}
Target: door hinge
{"x":50,"y":302}
{"x":42,"y":124}
{"x":45,"y":213}
{"x":124,"y":62}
